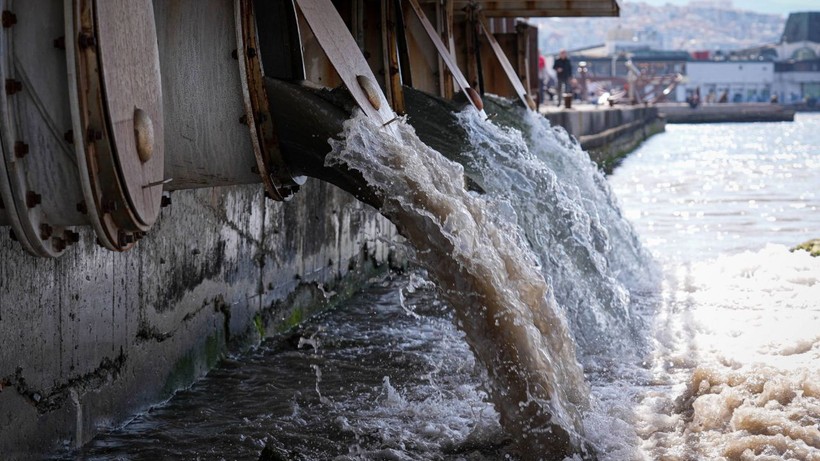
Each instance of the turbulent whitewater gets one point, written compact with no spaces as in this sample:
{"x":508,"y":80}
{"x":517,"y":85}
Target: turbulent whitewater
{"x":484,"y":267}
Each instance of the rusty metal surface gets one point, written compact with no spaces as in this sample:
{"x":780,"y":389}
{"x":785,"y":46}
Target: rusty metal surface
{"x":129,"y":64}
{"x":273,"y":171}
{"x":510,"y":73}
{"x":109,"y":187}
{"x":392,"y":76}
{"x":444,"y":25}
{"x":205,"y":143}
{"x":40,"y":186}
{"x":340,"y":47}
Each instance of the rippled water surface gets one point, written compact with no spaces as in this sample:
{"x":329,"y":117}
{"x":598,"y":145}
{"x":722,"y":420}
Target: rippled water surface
{"x":385,"y":376}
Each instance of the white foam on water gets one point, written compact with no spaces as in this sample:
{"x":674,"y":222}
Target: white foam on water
{"x":735,"y":368}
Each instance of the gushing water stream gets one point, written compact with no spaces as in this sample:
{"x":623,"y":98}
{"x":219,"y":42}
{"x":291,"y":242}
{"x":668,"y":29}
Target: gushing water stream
{"x":485,"y":269}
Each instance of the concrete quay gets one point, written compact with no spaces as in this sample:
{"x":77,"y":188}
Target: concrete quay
{"x":607,"y":133}
{"x":726,"y":113}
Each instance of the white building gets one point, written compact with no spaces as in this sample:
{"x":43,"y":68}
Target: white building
{"x":740,"y":81}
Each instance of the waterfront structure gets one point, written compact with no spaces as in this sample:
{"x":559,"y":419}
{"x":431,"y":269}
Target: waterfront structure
{"x":133,"y":296}
{"x":728,"y":81}
{"x":797,"y":72}
{"x":787,"y":71}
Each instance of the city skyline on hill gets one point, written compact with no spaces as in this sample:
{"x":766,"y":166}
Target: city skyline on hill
{"x":780,"y":7}
{"x":700,"y":25}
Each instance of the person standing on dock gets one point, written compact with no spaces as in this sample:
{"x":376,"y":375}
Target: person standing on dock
{"x":563,"y":72}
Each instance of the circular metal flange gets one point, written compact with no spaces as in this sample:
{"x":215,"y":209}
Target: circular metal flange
{"x":117,"y":115}
{"x":276,"y":177}
{"x":38,"y":182}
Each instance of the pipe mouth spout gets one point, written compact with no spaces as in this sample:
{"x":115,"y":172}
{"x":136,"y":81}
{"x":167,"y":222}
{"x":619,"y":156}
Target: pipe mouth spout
{"x":307,"y":117}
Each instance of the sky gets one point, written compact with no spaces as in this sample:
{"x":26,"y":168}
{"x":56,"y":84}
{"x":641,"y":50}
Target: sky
{"x":782,"y":7}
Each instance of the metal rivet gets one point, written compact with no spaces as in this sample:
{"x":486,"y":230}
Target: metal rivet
{"x":124,"y":238}
{"x":86,"y":40}
{"x":144,"y":134}
{"x":71,"y":236}
{"x":20,"y":149}
{"x":58,"y":243}
{"x":45,"y":231}
{"x":32,"y":199}
{"x":371,"y":91}
{"x":9,"y":18}
{"x":93,"y":135}
{"x":13,"y":86}
{"x":59,"y":42}
{"x":109,"y":206}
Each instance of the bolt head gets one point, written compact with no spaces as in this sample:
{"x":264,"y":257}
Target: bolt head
{"x":9,"y":19}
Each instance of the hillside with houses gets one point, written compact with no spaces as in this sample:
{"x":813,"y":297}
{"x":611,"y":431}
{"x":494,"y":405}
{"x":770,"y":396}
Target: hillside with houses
{"x":704,"y":25}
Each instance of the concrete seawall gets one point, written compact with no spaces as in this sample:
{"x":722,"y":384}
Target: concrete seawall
{"x":608,"y":133}
{"x":94,"y":336}
{"x":727,"y":112}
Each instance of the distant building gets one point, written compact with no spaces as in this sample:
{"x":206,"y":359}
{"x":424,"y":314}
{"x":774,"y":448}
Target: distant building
{"x":797,"y":71}
{"x":801,"y":38}
{"x":789,"y":69}
{"x":739,"y":81}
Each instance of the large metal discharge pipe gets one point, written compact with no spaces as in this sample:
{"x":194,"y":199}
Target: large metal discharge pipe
{"x":109,"y":103}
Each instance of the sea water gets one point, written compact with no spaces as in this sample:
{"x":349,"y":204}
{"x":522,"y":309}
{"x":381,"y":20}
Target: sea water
{"x":734,"y":370}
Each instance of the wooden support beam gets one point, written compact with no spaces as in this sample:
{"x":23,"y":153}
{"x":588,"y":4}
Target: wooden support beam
{"x":392,"y":77}
{"x":444,"y":17}
{"x":448,"y":58}
{"x":524,"y":52}
{"x":343,"y":52}
{"x":522,"y":93}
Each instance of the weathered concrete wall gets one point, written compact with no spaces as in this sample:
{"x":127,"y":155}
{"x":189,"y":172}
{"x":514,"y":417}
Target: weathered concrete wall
{"x":93,"y":337}
{"x":610,"y":133}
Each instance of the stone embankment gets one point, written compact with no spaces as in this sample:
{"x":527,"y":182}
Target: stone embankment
{"x":724,"y":113}
{"x":608,"y":133}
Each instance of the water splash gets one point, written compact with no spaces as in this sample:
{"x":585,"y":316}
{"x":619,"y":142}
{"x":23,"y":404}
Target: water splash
{"x":570,"y":218}
{"x":485,"y":269}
